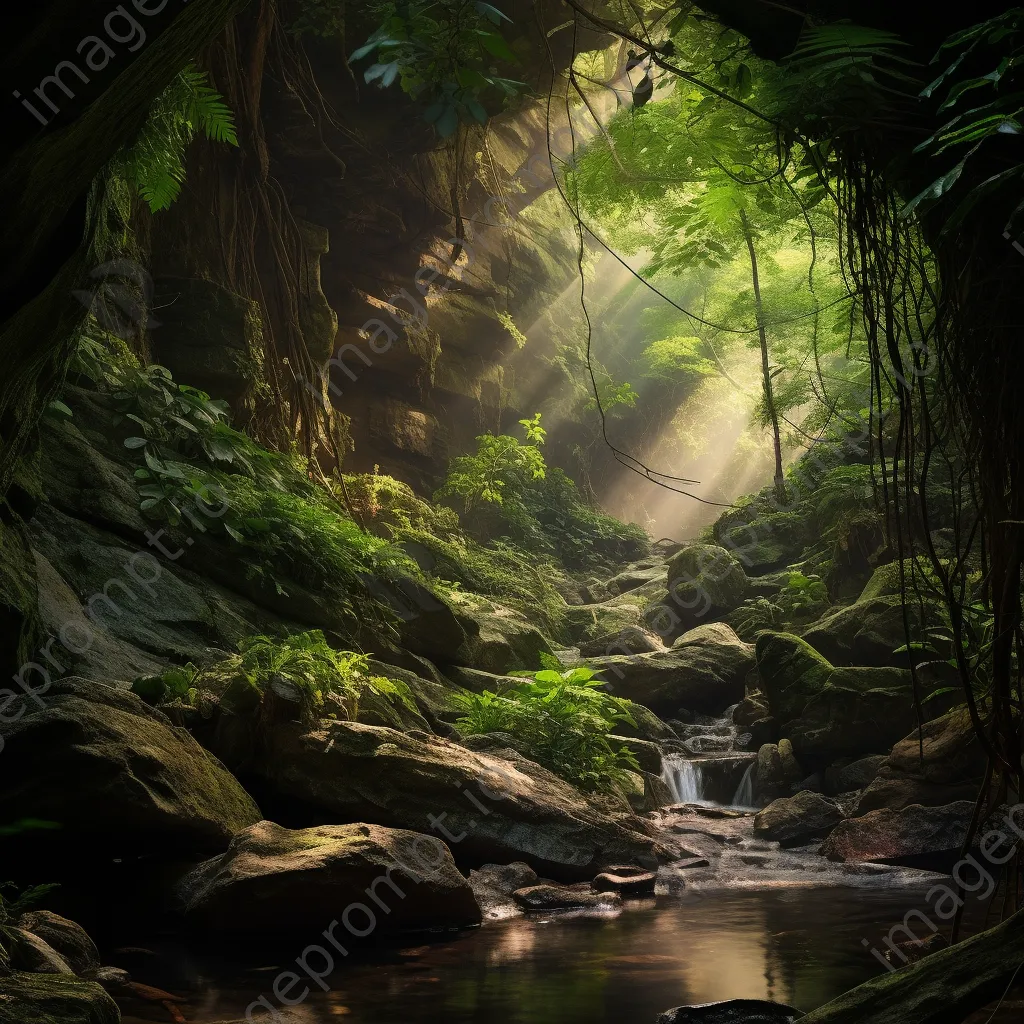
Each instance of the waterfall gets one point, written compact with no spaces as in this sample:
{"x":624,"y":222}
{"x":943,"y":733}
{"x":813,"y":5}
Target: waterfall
{"x":745,"y":791}
{"x":684,"y":780}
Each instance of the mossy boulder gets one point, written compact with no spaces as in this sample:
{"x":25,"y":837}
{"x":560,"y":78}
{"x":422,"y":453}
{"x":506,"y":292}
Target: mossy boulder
{"x":381,"y":776}
{"x":117,"y":776}
{"x":54,"y":999}
{"x":704,"y":671}
{"x":791,"y":673}
{"x":499,"y":639}
{"x":829,"y":712}
{"x":277,"y":883}
{"x":871,"y":630}
{"x":620,"y":616}
{"x":705,"y":582}
{"x":859,"y":711}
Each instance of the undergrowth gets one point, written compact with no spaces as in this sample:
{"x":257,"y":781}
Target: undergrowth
{"x":304,"y":661}
{"x":562,"y":718}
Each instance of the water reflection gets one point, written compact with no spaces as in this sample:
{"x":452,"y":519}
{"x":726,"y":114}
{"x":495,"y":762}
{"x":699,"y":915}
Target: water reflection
{"x":798,"y":946}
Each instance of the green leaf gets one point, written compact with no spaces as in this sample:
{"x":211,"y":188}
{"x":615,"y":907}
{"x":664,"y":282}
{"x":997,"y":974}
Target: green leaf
{"x":496,"y":45}
{"x":135,"y":442}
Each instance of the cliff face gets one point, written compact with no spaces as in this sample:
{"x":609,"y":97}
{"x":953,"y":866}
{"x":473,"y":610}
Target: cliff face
{"x":416,"y":260}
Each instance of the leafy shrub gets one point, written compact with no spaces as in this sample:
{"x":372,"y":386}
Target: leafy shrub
{"x":499,"y":471}
{"x":562,"y":718}
{"x":505,"y":490}
{"x":305,"y":660}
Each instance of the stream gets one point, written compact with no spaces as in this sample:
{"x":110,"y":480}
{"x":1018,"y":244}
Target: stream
{"x":801,"y":946}
{"x":741,"y":919}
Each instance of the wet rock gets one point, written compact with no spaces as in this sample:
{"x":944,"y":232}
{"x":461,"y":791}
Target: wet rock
{"x":656,"y":792}
{"x":69,"y":939}
{"x":276,"y":882}
{"x":428,"y":625}
{"x":941,"y":764}
{"x":493,"y":885}
{"x":113,"y":979}
{"x":914,"y":836}
{"x":732,"y":1011}
{"x":796,"y":820}
{"x":375,"y":774}
{"x":704,"y":671}
{"x":625,"y":880}
{"x":505,"y":878}
{"x":117,"y":776}
{"x":54,"y":999}
{"x":563,"y":897}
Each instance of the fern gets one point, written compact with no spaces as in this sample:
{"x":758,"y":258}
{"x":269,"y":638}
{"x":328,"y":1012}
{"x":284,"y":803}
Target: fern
{"x":155,"y":163}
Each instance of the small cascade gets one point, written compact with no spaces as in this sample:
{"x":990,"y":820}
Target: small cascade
{"x":707,"y":764}
{"x":684,"y":779}
{"x":744,"y":796}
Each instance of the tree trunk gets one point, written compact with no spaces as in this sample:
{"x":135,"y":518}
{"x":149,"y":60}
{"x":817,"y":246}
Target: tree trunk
{"x":766,"y":376}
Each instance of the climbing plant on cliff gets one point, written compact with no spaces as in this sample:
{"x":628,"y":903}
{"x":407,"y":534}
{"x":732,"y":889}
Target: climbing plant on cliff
{"x":155,"y":162}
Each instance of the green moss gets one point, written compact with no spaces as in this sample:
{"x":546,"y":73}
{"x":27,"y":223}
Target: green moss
{"x":791,"y":671}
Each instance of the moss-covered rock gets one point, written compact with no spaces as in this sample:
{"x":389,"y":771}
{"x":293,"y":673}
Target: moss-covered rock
{"x":704,"y":671}
{"x":378,"y":775}
{"x":117,"y":776}
{"x":859,"y":711}
{"x":619,"y":616}
{"x":704,"y":584}
{"x":276,"y":883}
{"x":871,"y":630}
{"x":54,"y":999}
{"x":499,"y":640}
{"x":791,"y":673}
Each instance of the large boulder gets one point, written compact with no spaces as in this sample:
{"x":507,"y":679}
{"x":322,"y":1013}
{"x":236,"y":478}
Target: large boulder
{"x":705,"y":583}
{"x":942,"y":763}
{"x":791,"y":673}
{"x":846,"y":776}
{"x":872,"y":629}
{"x":117,"y":777}
{"x":499,"y":640}
{"x":704,"y":671}
{"x":859,"y":711}
{"x":275,"y":882}
{"x":830,"y":712}
{"x":54,"y":999}
{"x":916,"y":836}
{"x":796,"y":820}
{"x":618,"y":617}
{"x":486,"y":807}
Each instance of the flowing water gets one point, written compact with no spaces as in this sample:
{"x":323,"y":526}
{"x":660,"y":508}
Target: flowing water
{"x":708,"y":764}
{"x":739,"y":918}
